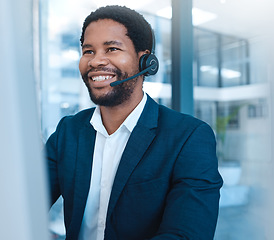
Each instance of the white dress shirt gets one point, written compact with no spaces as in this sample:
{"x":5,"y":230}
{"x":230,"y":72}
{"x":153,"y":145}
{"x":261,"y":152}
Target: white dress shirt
{"x":106,"y":157}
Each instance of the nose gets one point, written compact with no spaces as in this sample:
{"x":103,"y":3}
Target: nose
{"x":97,"y":60}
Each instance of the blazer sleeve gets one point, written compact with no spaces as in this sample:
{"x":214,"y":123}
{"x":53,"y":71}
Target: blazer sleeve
{"x":193,"y":201}
{"x":52,"y":164}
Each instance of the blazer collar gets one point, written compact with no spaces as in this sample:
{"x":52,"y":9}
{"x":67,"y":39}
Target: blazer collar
{"x":149,"y":117}
{"x":138,"y":143}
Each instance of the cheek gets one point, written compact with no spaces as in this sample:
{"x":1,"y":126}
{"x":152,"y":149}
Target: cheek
{"x":82,"y":65}
{"x":129,"y":64}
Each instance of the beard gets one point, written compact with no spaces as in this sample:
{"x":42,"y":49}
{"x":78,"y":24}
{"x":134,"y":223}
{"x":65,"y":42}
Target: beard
{"x":118,"y":95}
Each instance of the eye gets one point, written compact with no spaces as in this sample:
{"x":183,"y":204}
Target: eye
{"x":88,"y":52}
{"x":113,"y":49}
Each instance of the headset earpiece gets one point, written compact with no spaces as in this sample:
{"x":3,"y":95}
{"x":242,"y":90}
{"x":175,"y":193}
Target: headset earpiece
{"x":148,"y":65}
{"x":146,"y":61}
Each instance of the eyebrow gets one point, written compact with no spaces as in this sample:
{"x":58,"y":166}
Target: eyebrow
{"x":86,"y":46}
{"x":107,"y":43}
{"x":113,"y":42}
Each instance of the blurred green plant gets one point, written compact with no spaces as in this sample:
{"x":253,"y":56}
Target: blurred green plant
{"x":222,"y":123}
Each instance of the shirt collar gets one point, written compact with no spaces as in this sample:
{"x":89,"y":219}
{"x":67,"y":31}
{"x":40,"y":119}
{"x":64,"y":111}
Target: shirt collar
{"x":134,"y":116}
{"x":130,"y":122}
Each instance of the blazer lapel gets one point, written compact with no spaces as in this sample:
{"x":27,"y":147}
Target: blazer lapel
{"x":83,"y":170}
{"x":138,"y":143}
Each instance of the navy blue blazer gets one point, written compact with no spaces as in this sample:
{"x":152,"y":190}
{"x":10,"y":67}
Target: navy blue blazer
{"x":167,"y":183}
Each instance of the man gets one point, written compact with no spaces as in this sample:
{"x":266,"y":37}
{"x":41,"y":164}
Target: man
{"x":130,"y":168}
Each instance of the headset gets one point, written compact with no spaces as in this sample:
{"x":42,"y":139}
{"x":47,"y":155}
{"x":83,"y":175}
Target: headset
{"x":148,"y":64}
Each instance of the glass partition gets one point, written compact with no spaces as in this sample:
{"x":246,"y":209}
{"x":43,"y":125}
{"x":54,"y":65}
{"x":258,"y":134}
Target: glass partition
{"x":232,"y":95}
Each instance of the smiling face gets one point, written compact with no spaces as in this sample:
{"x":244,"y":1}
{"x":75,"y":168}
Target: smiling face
{"x":108,"y":55}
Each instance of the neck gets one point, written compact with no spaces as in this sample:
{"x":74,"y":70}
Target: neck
{"x":113,"y":117}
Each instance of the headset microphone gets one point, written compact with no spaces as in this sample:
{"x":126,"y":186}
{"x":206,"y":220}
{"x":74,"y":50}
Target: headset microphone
{"x":151,"y":65}
{"x":150,"y":70}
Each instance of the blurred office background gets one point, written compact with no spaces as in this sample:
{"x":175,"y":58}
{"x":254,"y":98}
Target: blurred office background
{"x":228,"y":85}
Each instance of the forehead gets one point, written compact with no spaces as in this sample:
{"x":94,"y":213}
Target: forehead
{"x":106,"y":30}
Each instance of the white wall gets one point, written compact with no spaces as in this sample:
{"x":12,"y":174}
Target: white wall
{"x":23,"y":202}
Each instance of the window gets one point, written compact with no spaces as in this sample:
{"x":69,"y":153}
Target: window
{"x":220,"y":60}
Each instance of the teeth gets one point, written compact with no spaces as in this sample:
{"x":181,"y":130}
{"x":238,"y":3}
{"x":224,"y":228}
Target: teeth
{"x":101,"y":78}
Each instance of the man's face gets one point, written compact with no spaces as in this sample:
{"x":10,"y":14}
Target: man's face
{"x":108,"y":55}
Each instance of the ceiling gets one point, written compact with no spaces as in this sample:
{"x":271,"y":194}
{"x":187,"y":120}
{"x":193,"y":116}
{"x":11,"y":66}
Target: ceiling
{"x":241,"y":18}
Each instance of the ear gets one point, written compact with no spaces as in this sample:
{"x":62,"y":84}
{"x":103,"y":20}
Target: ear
{"x":141,"y":53}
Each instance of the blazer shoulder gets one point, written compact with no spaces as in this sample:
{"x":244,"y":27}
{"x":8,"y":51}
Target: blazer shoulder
{"x":168,"y":119}
{"x":82,"y":117}
{"x":182,"y":124}
{"x":75,"y":122}
{"x":171,"y":117}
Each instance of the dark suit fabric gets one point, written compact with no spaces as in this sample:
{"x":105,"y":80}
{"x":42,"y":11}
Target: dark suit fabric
{"x":167,"y":183}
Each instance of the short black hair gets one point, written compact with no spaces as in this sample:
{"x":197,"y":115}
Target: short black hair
{"x":138,"y":29}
